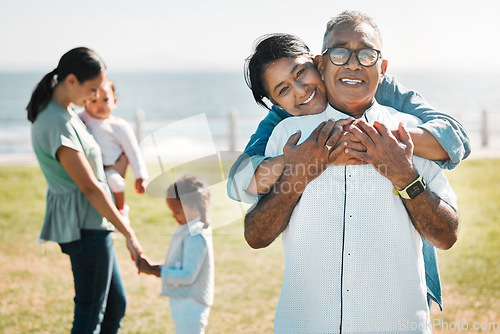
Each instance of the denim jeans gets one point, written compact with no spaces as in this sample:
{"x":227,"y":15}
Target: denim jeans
{"x":99,"y":294}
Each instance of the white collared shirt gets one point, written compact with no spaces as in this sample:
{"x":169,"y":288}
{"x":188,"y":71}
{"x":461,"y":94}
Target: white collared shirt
{"x":188,"y":270}
{"x":353,"y":258}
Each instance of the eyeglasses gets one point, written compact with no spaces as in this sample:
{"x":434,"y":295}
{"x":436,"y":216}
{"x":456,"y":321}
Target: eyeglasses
{"x":341,"y":56}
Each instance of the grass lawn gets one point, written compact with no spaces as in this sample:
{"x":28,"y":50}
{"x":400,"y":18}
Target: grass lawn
{"x":36,"y":287}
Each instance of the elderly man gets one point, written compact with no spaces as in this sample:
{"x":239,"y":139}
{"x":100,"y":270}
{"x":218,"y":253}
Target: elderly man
{"x":353,"y":260}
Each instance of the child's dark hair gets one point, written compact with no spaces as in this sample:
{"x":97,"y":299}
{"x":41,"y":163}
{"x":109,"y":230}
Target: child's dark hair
{"x":267,"y":49}
{"x":194,"y":191}
{"x":84,"y":63}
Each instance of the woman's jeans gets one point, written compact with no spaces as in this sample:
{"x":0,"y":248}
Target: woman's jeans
{"x":99,"y":294}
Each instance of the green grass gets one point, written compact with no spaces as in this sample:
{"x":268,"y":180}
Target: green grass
{"x":36,"y":287}
{"x":470,"y":271}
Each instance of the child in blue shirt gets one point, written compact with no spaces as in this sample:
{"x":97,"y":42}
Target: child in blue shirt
{"x":187,"y":274}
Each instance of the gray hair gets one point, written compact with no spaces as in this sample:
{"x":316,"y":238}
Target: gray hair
{"x":349,"y":16}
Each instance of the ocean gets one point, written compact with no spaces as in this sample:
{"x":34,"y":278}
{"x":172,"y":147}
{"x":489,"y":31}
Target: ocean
{"x":165,"y":98}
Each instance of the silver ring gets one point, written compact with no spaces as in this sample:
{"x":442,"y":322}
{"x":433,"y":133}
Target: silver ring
{"x":328,"y":147}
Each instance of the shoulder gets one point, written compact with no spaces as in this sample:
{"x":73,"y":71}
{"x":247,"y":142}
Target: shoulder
{"x":427,"y":165}
{"x":306,"y":124}
{"x":273,"y":117}
{"x":298,"y":122}
{"x":53,"y":114}
{"x":54,"y":120}
{"x":396,"y":116}
{"x":119,"y":123}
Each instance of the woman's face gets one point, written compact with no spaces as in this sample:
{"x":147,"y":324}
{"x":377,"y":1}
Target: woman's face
{"x":88,"y":89}
{"x":295,"y":85}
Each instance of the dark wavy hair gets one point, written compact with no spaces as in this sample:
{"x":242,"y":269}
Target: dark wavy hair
{"x":83,"y":62}
{"x":269,"y":48}
{"x":194,"y":192}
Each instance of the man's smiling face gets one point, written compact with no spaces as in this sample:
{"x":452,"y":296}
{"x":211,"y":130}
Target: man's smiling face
{"x":351,"y":87}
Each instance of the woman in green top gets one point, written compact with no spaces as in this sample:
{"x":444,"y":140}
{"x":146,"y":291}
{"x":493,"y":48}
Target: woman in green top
{"x":80,"y":214}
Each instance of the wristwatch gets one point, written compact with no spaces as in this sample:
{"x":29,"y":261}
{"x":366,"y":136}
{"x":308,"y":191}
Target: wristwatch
{"x":412,"y":190}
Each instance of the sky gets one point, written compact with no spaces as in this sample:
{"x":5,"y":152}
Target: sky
{"x":218,"y":35}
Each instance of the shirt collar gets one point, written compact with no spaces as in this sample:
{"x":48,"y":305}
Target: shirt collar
{"x":195,"y":226}
{"x":369,"y":115}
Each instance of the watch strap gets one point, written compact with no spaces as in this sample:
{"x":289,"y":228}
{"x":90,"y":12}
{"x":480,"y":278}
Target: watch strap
{"x":412,"y":190}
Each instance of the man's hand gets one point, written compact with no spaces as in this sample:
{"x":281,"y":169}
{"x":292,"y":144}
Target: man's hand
{"x":348,"y":140}
{"x":307,"y":161}
{"x":322,"y":148}
{"x":392,"y":157}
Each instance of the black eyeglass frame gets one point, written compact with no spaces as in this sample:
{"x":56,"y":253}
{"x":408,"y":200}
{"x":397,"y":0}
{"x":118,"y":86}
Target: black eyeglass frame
{"x":379,"y":55}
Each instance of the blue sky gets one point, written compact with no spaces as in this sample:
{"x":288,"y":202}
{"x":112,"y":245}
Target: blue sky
{"x":218,"y":35}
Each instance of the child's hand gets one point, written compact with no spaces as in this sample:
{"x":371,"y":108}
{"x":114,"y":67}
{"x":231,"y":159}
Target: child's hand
{"x":143,"y":265}
{"x":140,"y":186}
{"x":147,"y":267}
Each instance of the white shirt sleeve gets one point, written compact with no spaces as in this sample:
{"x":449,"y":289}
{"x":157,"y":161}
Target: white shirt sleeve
{"x":125,"y":135}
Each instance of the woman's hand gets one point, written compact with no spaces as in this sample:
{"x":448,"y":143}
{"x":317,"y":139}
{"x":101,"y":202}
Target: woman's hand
{"x":349,"y":141}
{"x":134,"y":247}
{"x":120,"y":165}
{"x":135,"y":250}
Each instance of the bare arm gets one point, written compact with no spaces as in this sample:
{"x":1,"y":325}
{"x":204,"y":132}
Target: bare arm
{"x":266,"y":175}
{"x":447,"y":130}
{"x":269,"y":217}
{"x":426,"y":145}
{"x":433,"y":218}
{"x":120,"y":165}
{"x":78,"y":168}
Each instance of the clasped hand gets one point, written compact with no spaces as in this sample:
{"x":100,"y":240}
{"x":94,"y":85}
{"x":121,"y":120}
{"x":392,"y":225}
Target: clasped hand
{"x":325,"y":146}
{"x":352,"y":142}
{"x":389,"y":152}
